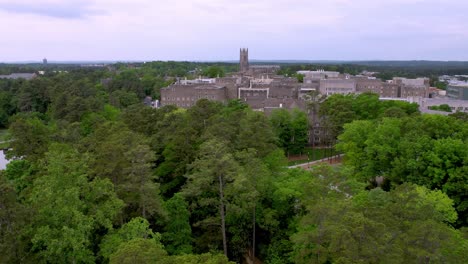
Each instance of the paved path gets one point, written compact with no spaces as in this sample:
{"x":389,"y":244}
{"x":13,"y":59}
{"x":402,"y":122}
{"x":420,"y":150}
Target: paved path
{"x":334,"y":160}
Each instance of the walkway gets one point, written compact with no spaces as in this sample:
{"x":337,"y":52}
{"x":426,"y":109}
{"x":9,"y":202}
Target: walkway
{"x":330,"y":160}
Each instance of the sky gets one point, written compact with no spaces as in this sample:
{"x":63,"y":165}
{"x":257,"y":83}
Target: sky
{"x":214,"y":30}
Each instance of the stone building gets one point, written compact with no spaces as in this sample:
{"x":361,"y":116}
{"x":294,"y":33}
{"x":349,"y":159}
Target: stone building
{"x":383,"y":89}
{"x":319,"y":74}
{"x":418,"y":87}
{"x":244,"y":60}
{"x":254,"y":70}
{"x":458,"y":90}
{"x":186,"y":95}
{"x":337,"y":86}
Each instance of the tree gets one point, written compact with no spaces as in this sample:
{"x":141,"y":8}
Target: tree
{"x":376,"y":226}
{"x":213,"y":72}
{"x":207,"y":258}
{"x":211,"y":174}
{"x":69,"y":208}
{"x":31,"y":138}
{"x":300,"y":129}
{"x":13,"y":220}
{"x":138,"y":250}
{"x":178,"y":234}
{"x":125,"y":158}
{"x":281,"y":124}
{"x":137,"y":228}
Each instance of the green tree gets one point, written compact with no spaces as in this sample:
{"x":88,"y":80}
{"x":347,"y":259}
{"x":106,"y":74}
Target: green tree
{"x":212,"y":173}
{"x":213,"y":72}
{"x":137,"y":228}
{"x":13,"y":220}
{"x":300,"y":129}
{"x":31,"y":138}
{"x":139,"y":250}
{"x":376,"y":226}
{"x":69,"y":208}
{"x":178,"y":234}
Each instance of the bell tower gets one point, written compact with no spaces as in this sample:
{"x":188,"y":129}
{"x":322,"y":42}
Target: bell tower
{"x":244,"y":60}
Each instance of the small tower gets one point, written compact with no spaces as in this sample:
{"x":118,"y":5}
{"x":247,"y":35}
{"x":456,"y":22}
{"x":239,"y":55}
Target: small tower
{"x":44,"y":61}
{"x":244,"y":60}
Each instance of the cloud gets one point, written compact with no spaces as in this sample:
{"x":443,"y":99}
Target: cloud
{"x":69,"y":9}
{"x":215,"y":29}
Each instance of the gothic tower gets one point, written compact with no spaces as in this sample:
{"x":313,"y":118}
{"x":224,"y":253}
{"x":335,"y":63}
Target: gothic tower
{"x":244,"y":60}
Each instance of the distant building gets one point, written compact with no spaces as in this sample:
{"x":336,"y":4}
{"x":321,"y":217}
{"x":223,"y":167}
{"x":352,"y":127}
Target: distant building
{"x":200,"y":80}
{"x":254,"y":70}
{"x":186,"y":95}
{"x":337,"y":86}
{"x":15,"y":76}
{"x":244,"y":60}
{"x":383,"y":89}
{"x":319,"y":74}
{"x":44,"y":61}
{"x":458,"y":90}
{"x":418,"y":87}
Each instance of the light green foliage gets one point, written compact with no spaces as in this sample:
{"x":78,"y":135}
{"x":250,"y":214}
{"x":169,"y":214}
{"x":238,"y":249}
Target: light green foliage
{"x":20,"y":174}
{"x":206,"y":258}
{"x":137,"y":228}
{"x":440,"y":202}
{"x":339,"y":109}
{"x":69,"y":207}
{"x":401,"y":226}
{"x":139,"y":250}
{"x":427,"y":150}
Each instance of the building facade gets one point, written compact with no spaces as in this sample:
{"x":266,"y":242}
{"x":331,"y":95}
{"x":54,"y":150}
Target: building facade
{"x":337,"y":86}
{"x":458,"y":91}
{"x":186,"y":95}
{"x":244,"y":60}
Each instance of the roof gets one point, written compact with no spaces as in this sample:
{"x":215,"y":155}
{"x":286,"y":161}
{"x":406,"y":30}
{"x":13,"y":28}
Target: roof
{"x":26,"y":76}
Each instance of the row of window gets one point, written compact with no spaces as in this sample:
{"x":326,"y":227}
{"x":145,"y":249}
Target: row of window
{"x":183,"y":99}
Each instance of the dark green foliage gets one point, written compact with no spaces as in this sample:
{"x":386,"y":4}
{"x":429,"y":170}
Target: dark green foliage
{"x":178,"y":233}
{"x":31,"y":138}
{"x":291,"y":129}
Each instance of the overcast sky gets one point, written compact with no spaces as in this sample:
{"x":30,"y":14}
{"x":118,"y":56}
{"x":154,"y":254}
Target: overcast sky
{"x":63,"y":30}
